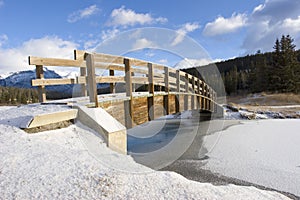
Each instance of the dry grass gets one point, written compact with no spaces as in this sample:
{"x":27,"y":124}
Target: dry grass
{"x":263,"y":102}
{"x":264,"y":99}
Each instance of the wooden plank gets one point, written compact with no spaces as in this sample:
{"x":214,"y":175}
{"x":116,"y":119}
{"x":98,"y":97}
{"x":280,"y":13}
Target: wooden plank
{"x":61,"y":81}
{"x":106,"y":58}
{"x":158,"y":67}
{"x":109,"y":66}
{"x":41,"y":89}
{"x":140,"y":80}
{"x":46,"y":119}
{"x":55,"y":62}
{"x":136,"y":62}
{"x":92,"y":86}
{"x":110,"y":79}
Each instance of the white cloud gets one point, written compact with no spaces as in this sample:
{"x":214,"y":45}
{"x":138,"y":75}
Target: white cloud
{"x":3,"y":39}
{"x":127,"y":17}
{"x":181,"y":33}
{"x":292,"y":24}
{"x":269,"y":21}
{"x":163,"y":61}
{"x":16,"y":59}
{"x":109,"y":33}
{"x":225,"y":25}
{"x":90,"y":44}
{"x":258,"y":8}
{"x":81,"y":14}
{"x":1,"y":3}
{"x":143,"y":43}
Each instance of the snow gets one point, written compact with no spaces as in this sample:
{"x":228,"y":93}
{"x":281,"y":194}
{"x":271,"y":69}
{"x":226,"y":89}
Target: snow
{"x":74,"y":163}
{"x":265,"y":152}
{"x":20,"y":116}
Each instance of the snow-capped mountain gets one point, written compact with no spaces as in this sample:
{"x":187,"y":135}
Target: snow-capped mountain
{"x":23,"y":79}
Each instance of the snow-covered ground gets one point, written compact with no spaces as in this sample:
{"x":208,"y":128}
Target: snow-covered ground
{"x":58,"y":165}
{"x":264,"y":152}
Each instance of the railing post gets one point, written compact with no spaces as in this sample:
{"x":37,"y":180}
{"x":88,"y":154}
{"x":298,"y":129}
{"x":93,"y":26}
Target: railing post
{"x":193,"y":94}
{"x":83,"y":85}
{"x":186,"y":96}
{"x":151,"y":92}
{"x":41,"y":89}
{"x":128,"y":104}
{"x":203,"y":95}
{"x":79,"y":56}
{"x":112,"y":85}
{"x":198,"y":92}
{"x":166,"y":96}
{"x":177,"y":97}
{"x":91,"y":79}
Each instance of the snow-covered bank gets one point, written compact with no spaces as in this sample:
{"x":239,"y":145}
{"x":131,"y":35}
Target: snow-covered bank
{"x":261,"y":112}
{"x":58,"y":165}
{"x":264,"y":152}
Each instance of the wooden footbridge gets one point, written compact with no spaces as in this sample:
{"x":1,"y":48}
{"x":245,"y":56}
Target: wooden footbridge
{"x":140,"y":91}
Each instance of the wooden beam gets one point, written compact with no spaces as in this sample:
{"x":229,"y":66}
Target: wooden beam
{"x":46,"y":119}
{"x":41,"y":89}
{"x":136,"y":62}
{"x":110,"y":79}
{"x":91,"y":79}
{"x":44,"y":82}
{"x":55,"y":62}
{"x":106,"y":58}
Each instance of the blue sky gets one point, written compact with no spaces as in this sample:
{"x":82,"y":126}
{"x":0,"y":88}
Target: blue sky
{"x":224,"y":29}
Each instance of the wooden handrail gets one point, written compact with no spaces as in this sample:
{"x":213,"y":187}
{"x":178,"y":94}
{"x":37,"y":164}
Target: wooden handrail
{"x":136,"y":72}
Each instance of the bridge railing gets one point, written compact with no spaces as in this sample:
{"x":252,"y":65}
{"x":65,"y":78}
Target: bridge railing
{"x":135,"y":71}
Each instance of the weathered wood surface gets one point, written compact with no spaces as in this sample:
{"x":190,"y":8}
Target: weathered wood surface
{"x":46,"y":119}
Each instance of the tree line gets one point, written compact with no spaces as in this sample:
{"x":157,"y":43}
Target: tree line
{"x":277,"y":71}
{"x":16,"y":96}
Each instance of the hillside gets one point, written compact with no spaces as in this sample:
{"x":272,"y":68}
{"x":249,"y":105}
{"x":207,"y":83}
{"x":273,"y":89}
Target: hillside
{"x":261,"y":72}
